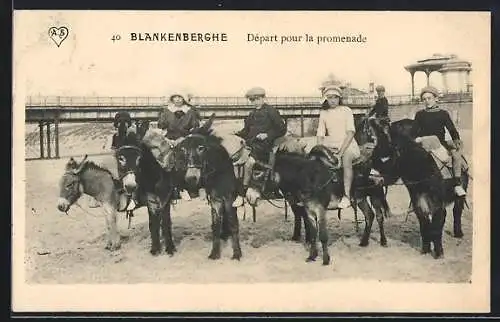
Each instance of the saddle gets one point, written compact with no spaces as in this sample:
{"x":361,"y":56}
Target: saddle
{"x":325,"y":155}
{"x":329,"y":158}
{"x":441,"y":156}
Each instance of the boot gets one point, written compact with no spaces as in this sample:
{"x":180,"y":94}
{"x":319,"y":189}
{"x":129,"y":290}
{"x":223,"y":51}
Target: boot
{"x":460,"y":191}
{"x":344,"y":203}
{"x":239,"y":201}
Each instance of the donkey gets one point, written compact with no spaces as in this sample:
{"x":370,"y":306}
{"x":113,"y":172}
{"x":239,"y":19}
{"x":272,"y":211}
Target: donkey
{"x":300,"y":180}
{"x":152,"y":185}
{"x":88,"y":178}
{"x":207,"y":164}
{"x":429,"y":192}
{"x":364,"y":184}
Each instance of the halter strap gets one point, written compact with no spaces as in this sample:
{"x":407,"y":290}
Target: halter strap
{"x":126,"y":147}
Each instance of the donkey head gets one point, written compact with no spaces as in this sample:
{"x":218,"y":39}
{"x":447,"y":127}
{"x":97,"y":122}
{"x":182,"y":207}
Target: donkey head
{"x":128,"y":158}
{"x":70,"y":187}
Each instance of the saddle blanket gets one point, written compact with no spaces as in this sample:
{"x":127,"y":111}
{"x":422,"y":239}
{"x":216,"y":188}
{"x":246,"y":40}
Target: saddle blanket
{"x":441,"y":156}
{"x":160,"y":146}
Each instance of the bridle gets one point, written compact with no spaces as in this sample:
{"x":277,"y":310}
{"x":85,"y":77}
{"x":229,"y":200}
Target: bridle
{"x":203,"y":164}
{"x":122,"y":173}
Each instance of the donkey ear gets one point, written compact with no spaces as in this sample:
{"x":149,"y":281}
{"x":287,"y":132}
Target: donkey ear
{"x":81,"y":165}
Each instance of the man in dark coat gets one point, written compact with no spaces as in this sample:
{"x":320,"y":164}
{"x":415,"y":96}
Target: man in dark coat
{"x":121,"y":123}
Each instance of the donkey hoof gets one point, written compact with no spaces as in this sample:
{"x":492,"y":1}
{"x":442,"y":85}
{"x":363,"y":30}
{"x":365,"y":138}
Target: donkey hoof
{"x":170,"y":250}
{"x":424,"y":251}
{"x":326,"y":260}
{"x":438,"y":255}
{"x":214,"y":256}
{"x":295,"y":238}
{"x":155,"y":251}
{"x":458,"y":234}
{"x":310,"y":259}
{"x":364,"y":243}
{"x":112,"y":246}
{"x":383,"y":243}
{"x":236,"y":257}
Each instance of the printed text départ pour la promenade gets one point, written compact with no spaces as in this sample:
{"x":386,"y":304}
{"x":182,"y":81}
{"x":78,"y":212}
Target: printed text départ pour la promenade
{"x":222,"y":37}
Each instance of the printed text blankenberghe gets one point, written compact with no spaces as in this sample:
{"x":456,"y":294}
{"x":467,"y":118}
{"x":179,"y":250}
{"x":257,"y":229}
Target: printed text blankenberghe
{"x":178,"y":36}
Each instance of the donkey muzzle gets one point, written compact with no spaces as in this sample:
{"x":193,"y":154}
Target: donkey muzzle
{"x":129,"y":183}
{"x":193,"y":176}
{"x":63,"y":205}
{"x":252,"y":195}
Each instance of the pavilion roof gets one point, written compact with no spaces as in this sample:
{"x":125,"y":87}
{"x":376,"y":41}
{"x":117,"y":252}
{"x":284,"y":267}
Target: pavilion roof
{"x":439,"y":62}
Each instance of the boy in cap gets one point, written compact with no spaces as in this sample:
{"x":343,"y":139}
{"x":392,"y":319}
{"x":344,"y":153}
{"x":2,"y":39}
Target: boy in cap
{"x":336,"y":130}
{"x":381,"y":107}
{"x":432,"y":121}
{"x":261,"y":127}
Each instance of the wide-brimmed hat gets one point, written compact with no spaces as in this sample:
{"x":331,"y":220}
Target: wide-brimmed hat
{"x":185,"y":95}
{"x":429,"y":89}
{"x":255,"y":92}
{"x":331,"y":89}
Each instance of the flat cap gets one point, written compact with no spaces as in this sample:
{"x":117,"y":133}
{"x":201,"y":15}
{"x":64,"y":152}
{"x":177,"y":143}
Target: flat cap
{"x":255,"y":91}
{"x":380,"y":88}
{"x":429,"y":89}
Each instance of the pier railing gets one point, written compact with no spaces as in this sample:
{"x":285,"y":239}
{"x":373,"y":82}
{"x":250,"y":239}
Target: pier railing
{"x":147,"y":101}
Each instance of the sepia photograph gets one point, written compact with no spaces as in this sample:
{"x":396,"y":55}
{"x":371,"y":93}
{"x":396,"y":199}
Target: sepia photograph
{"x":333,"y":161}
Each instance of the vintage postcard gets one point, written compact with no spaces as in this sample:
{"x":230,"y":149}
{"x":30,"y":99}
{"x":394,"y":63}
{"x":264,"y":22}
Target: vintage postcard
{"x":251,"y":161}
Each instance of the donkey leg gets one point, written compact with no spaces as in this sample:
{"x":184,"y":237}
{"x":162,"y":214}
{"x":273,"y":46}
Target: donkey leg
{"x":298,"y":214}
{"x":378,"y":205}
{"x":421,"y":208}
{"x":166,"y":226}
{"x":369,"y":216}
{"x":307,"y":226}
{"x":231,"y":217}
{"x":114,"y":241}
{"x":311,"y":207}
{"x":458,"y":209}
{"x":323,"y":234}
{"x":153,"y":206}
{"x":217,"y":209}
{"x":437,"y":225}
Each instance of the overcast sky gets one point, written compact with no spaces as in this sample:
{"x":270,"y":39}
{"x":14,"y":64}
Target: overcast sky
{"x":89,"y":63}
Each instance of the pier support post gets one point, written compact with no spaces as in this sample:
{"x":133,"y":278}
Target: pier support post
{"x":48,"y":140}
{"x":56,"y":135}
{"x":40,"y":125}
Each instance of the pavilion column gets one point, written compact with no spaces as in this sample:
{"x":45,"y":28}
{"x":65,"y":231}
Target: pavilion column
{"x":412,"y":73}
{"x":427,"y":73}
{"x":445,"y":81}
{"x":467,"y":79}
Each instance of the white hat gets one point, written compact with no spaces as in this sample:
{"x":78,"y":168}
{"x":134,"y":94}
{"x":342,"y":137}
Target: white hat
{"x":332,"y":89}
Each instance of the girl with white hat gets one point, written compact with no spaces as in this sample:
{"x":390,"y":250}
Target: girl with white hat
{"x":177,"y":120}
{"x":336,"y":131}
